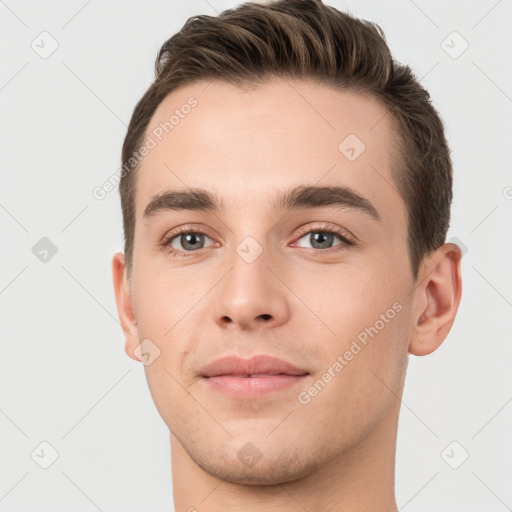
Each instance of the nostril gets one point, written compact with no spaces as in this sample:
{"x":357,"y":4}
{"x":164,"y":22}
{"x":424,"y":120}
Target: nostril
{"x":266,"y":316}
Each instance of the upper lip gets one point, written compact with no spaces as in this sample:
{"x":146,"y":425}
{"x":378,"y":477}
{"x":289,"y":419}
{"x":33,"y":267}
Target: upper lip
{"x":259,"y":364}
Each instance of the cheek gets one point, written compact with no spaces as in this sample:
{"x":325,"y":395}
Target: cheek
{"x":346,"y":298}
{"x":170,"y":399}
{"x":369,"y":328}
{"x":368,"y":371}
{"x":167,"y":313}
{"x":158,"y":303}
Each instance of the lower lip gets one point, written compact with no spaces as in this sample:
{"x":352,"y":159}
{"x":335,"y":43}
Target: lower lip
{"x":252,"y":387}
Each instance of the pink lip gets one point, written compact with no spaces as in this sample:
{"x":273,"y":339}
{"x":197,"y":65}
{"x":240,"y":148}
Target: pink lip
{"x":258,"y":376}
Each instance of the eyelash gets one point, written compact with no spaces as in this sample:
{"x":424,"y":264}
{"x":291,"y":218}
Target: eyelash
{"x":324,"y":228}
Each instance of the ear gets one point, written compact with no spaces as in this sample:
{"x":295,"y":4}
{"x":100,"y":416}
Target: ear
{"x":124,"y":304}
{"x":437,"y":298}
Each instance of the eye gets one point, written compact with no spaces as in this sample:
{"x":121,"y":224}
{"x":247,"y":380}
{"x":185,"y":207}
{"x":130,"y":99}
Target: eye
{"x":185,"y":241}
{"x":322,"y":238}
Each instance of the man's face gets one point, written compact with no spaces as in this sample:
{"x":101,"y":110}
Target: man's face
{"x":254,"y":278}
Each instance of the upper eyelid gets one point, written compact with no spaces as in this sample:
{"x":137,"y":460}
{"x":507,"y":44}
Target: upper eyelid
{"x":181,"y":230}
{"x":326,"y":226}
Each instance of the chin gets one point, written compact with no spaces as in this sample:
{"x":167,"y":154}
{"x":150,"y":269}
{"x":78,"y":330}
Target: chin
{"x":266,"y":471}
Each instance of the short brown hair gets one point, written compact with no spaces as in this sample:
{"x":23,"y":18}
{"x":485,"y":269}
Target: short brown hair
{"x":307,"y":39}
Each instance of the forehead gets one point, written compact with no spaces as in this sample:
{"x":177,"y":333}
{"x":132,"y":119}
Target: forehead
{"x":244,"y":144}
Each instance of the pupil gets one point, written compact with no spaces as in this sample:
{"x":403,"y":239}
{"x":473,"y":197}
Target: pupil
{"x":323,"y":239}
{"x":191,"y":240}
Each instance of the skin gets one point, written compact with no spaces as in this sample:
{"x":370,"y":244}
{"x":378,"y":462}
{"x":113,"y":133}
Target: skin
{"x":337,"y":452}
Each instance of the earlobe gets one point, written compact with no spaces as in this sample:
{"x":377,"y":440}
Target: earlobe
{"x":124,"y":304}
{"x":438,"y":299}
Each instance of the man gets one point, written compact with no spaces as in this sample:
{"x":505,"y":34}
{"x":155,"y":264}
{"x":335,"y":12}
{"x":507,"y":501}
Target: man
{"x":286,"y":195}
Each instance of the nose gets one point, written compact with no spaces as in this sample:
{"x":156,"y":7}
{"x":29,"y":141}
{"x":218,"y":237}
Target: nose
{"x":251,"y":296}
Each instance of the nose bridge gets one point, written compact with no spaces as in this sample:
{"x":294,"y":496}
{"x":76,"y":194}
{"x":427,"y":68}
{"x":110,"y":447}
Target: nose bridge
{"x":250,"y":294}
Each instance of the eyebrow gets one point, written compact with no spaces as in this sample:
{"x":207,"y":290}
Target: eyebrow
{"x":299,"y":197}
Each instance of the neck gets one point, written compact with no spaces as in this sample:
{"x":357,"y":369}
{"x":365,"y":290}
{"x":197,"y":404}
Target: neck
{"x":359,"y":480}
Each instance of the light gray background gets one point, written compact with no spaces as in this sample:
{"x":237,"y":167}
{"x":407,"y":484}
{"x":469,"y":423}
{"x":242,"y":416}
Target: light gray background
{"x":64,"y":376}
